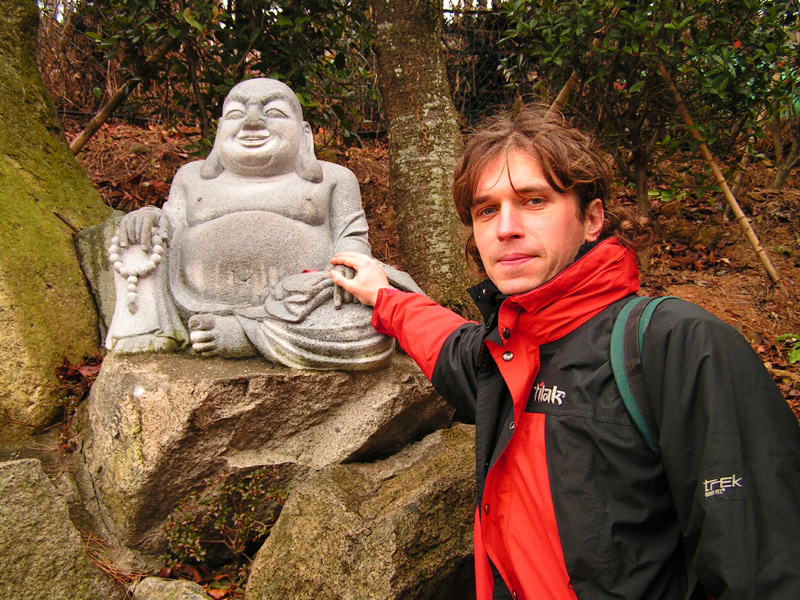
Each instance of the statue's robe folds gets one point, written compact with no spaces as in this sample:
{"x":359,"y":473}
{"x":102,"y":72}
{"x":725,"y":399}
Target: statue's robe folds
{"x":259,"y":250}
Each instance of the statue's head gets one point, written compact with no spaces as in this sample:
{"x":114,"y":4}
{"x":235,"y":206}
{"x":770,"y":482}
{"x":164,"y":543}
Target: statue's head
{"x":262,"y":134}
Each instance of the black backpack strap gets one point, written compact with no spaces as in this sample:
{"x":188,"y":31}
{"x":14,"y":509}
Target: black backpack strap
{"x":626,"y":363}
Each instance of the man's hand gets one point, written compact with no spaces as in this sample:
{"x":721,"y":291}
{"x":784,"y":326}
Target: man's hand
{"x":340,"y":295}
{"x":369,"y":276}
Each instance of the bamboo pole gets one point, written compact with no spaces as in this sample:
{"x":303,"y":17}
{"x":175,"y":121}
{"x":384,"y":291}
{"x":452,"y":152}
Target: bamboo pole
{"x":571,"y":82}
{"x":720,"y":178}
{"x":118,"y":98}
{"x":574,"y":78}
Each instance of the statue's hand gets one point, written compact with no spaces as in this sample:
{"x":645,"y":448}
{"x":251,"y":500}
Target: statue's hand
{"x":139,"y":226}
{"x":340,"y":295}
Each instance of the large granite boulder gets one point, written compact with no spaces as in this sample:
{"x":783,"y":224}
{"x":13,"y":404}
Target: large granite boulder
{"x":42,"y":555}
{"x":390,"y":530}
{"x":160,"y":425}
{"x":46,"y":312}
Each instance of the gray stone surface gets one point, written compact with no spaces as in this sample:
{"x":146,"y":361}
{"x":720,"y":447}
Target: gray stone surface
{"x":237,"y":261}
{"x":42,"y":555}
{"x":160,"y":424}
{"x":91,"y":245}
{"x":394,"y":529}
{"x":155,"y":588}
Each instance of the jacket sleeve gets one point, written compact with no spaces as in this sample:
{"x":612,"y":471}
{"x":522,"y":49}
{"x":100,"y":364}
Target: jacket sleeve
{"x":731,"y":451}
{"x":442,"y":343}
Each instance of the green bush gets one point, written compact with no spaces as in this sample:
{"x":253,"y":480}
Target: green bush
{"x":233,"y":511}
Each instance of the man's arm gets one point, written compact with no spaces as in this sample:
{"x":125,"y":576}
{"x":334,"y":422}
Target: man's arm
{"x":731,"y":451}
{"x":429,"y":333}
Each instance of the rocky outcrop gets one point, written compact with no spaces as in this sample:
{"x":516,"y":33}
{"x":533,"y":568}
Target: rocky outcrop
{"x":390,"y":530}
{"x":42,"y":556}
{"x":154,"y":588}
{"x":46,"y":312}
{"x":160,"y":425}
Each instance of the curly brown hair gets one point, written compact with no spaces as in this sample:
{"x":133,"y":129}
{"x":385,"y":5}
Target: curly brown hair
{"x":570,"y":160}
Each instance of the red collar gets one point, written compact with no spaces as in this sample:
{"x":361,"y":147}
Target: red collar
{"x":605,"y":274}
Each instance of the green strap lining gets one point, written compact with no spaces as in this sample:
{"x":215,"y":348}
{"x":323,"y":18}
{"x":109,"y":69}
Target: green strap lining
{"x":626,"y":363}
{"x":647,"y":314}
{"x":621,"y":377}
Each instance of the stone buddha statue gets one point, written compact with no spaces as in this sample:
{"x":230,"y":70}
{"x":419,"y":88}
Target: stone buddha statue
{"x":236,"y":262}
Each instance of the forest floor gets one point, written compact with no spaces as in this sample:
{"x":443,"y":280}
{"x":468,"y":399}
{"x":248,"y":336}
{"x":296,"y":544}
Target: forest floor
{"x":696,"y":255}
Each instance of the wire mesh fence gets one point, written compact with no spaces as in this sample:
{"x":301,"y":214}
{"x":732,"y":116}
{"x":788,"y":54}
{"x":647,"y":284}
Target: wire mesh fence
{"x":80,"y":76}
{"x":473,"y":51}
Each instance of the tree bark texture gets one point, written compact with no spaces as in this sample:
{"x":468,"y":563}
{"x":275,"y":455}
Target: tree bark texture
{"x":424,"y":145}
{"x":785,"y":161}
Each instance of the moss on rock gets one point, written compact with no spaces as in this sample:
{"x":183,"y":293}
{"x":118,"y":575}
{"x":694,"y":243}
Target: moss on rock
{"x":46,"y":310}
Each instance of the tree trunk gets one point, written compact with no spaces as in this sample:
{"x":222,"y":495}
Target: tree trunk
{"x":424,"y":145}
{"x":786,"y":163}
{"x":640,"y":180}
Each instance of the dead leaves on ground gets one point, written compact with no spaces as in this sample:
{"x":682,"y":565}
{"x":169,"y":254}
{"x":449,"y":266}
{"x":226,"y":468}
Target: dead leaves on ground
{"x":74,"y":383}
{"x":133,"y":166}
{"x":220,"y":586}
{"x":694,"y":257}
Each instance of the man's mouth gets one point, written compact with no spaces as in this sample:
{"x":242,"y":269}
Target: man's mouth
{"x":513,"y":260}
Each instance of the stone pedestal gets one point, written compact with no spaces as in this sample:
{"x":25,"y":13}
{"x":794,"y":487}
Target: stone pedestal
{"x":160,"y":425}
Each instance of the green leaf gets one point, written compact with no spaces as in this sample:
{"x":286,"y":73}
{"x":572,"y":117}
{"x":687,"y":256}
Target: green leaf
{"x":187,"y":15}
{"x":636,"y":87}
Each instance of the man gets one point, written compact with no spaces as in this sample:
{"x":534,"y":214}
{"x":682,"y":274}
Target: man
{"x":572,"y":503}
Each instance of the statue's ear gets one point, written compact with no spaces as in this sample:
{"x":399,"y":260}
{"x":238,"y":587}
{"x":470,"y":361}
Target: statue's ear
{"x":212,"y":166}
{"x":307,"y":166}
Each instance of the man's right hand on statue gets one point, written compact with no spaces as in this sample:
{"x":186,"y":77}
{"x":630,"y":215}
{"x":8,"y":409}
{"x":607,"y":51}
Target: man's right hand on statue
{"x":370,"y":276}
{"x":139,"y":226}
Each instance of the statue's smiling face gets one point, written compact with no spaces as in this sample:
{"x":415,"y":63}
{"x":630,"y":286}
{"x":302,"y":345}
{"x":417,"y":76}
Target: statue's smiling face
{"x":259,"y":133}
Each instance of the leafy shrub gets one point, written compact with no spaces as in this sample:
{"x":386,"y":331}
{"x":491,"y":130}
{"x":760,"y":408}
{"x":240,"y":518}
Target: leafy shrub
{"x":234,"y":511}
{"x":792,"y":342}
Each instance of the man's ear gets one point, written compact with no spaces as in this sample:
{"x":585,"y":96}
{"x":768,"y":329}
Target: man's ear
{"x":594,"y":219}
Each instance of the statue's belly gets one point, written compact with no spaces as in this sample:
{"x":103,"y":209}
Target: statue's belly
{"x":237,"y":258}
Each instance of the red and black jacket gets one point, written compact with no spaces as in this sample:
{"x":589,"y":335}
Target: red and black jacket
{"x":571,"y":501}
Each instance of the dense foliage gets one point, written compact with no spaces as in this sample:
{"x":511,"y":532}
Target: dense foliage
{"x":731,"y":61}
{"x":318,"y":47}
{"x":235,"y":512}
{"x":736,"y":64}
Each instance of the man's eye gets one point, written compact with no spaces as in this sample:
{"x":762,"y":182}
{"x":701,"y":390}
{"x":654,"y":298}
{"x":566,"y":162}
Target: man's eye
{"x":486,"y":211}
{"x":534,"y":201}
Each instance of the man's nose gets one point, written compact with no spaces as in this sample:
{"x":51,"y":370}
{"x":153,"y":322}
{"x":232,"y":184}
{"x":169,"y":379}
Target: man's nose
{"x":509,"y":223}
{"x":254,"y":118}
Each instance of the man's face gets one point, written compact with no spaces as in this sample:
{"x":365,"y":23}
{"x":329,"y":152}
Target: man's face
{"x":259,"y":133}
{"x":527,"y":232}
